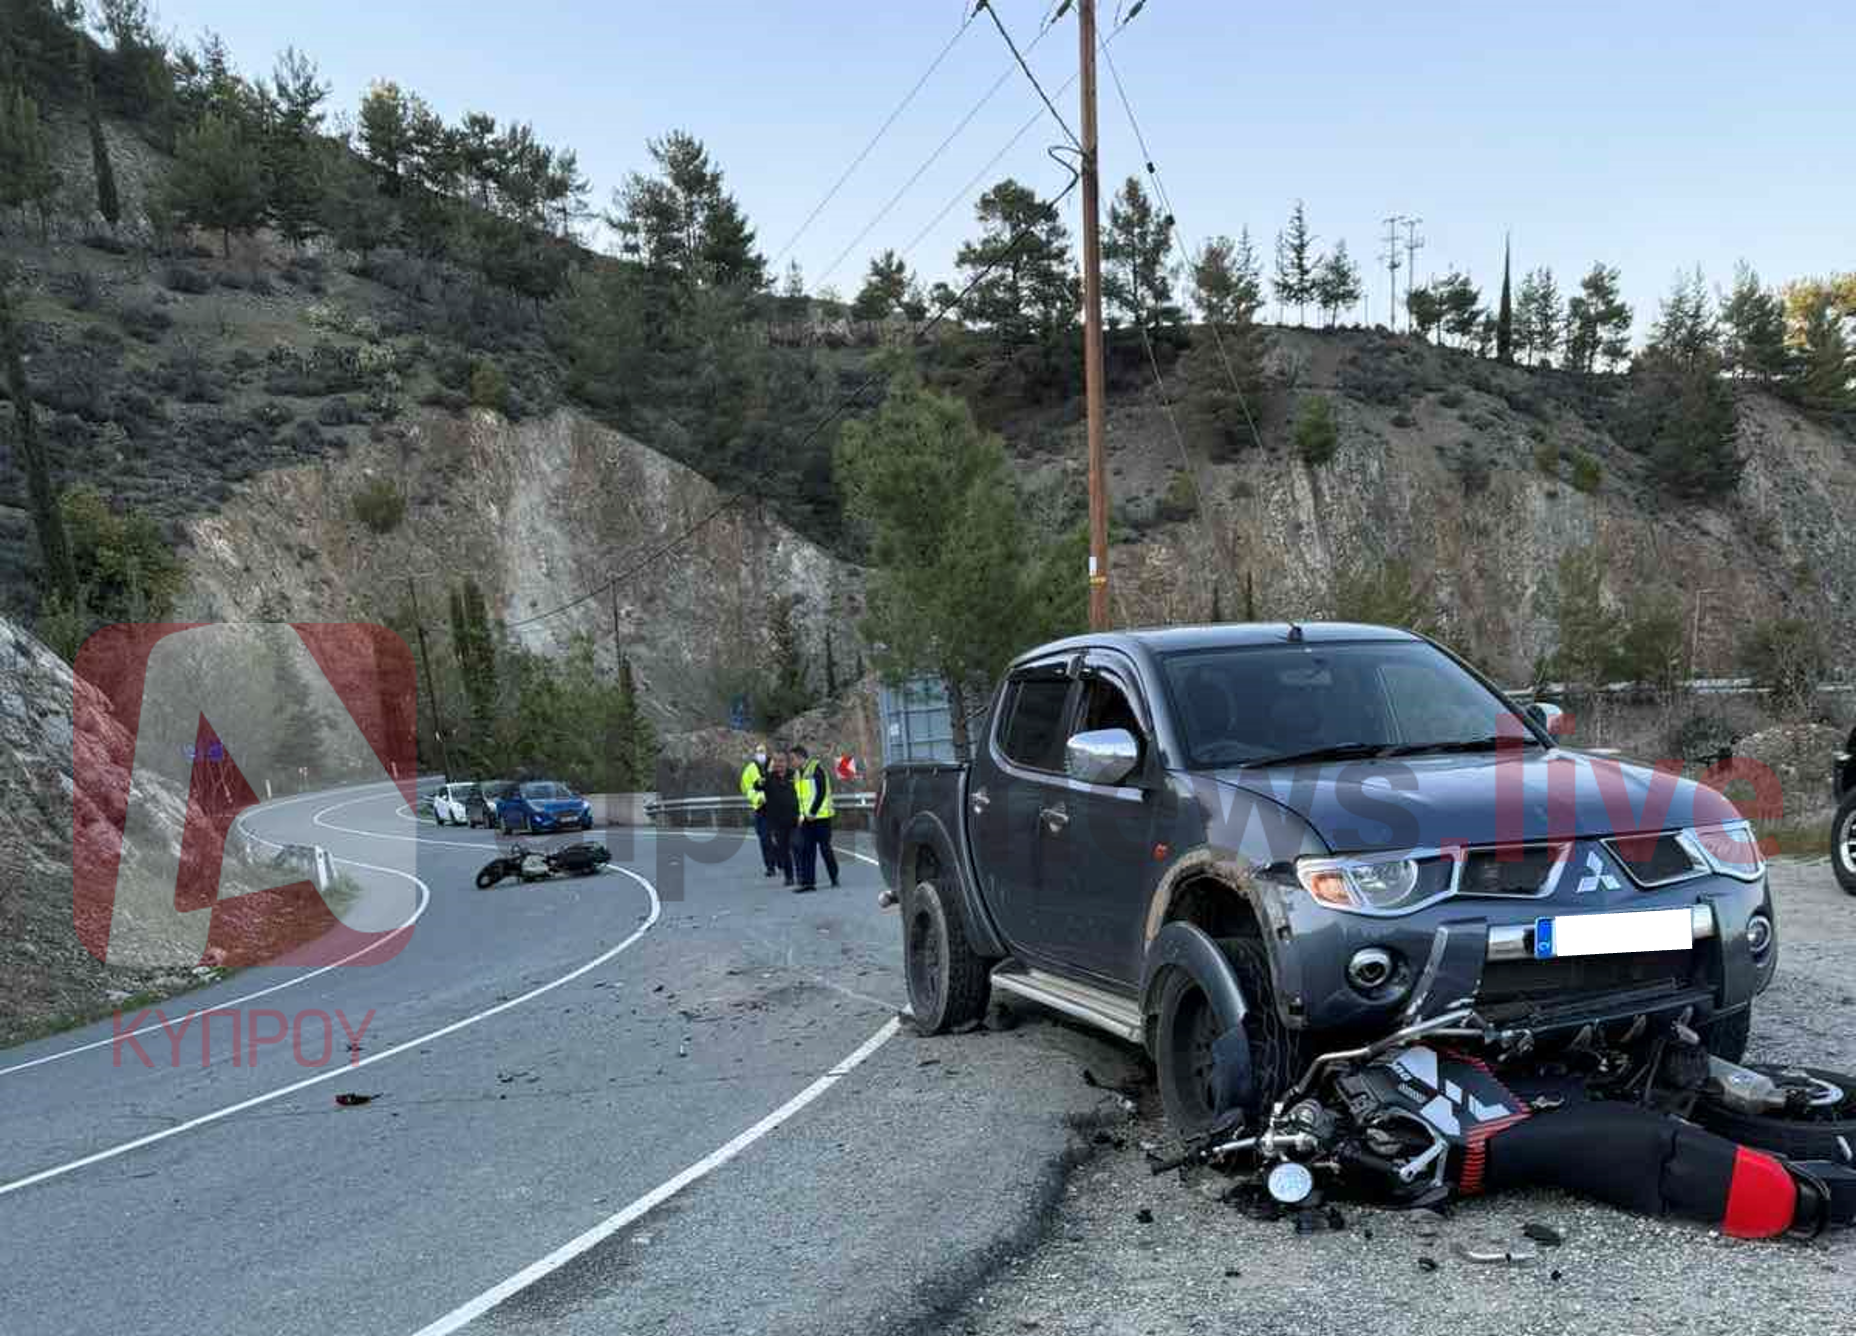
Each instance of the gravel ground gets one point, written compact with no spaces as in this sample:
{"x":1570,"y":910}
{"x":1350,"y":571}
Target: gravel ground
{"x":1201,"y":1265}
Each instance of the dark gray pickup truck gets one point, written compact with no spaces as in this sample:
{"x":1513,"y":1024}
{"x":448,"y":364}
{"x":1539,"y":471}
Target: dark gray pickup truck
{"x":1308,"y":836}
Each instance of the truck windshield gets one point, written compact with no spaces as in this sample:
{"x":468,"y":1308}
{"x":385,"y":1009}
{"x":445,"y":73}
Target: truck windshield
{"x":1251,"y":705}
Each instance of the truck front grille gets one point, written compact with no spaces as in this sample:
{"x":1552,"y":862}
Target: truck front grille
{"x":1521,"y":980}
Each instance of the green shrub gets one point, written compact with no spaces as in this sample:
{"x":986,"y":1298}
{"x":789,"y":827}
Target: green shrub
{"x":1586,"y":471}
{"x":1181,"y":501}
{"x":380,"y":505}
{"x":1547,"y":459}
{"x":1404,"y":421}
{"x":180,"y":278}
{"x":1451,"y":398}
{"x":1316,"y":433}
{"x":1786,"y":656}
{"x":489,"y":388}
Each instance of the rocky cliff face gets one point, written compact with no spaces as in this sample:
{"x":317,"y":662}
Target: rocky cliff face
{"x":1445,"y":474}
{"x":539,"y":513}
{"x":46,"y":974}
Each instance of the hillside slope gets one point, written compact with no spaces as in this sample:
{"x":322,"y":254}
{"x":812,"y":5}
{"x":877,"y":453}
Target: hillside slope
{"x":538,"y":512}
{"x":1440,"y":464}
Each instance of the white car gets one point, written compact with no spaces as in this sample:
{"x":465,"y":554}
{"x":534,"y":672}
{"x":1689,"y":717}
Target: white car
{"x":448,"y":805}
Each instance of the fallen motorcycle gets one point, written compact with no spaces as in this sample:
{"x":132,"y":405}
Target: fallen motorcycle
{"x":518,"y":860}
{"x":1455,"y":1107}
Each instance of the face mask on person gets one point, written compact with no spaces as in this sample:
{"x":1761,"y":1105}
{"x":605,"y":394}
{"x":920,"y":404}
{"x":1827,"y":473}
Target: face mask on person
{"x":760,"y":758}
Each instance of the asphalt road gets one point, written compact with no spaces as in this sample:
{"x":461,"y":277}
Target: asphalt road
{"x":668,"y":1097}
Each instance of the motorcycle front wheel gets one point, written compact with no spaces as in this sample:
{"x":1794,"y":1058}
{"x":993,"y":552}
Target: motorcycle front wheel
{"x":491,"y":874}
{"x":1819,"y":1125}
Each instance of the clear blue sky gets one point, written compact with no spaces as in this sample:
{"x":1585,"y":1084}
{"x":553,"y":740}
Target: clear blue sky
{"x":1653,"y":135}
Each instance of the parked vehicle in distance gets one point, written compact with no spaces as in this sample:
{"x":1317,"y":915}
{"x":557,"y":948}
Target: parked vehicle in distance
{"x":1236,"y":845}
{"x":450,"y":805}
{"x":537,"y":805}
{"x":1843,"y":825}
{"x":480,"y":808}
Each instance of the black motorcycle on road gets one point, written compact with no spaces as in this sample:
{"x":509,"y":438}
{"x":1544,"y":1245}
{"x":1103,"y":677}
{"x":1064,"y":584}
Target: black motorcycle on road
{"x":518,"y":860}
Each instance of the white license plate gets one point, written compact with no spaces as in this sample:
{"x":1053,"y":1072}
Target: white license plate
{"x":1613,"y":934}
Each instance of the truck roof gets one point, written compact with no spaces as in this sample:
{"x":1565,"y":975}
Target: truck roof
{"x":1168,"y":639}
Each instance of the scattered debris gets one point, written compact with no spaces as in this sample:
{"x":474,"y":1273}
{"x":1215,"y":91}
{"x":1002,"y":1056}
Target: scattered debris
{"x":1144,"y":1216}
{"x":348,"y":1099}
{"x":1232,"y":1273}
{"x":1543,"y":1234}
{"x":1490,"y":1252}
{"x":1556,"y":1274}
{"x":1427,"y":1264}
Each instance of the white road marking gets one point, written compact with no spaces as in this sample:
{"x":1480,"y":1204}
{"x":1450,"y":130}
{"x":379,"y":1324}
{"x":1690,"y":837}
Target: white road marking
{"x":347,"y":1069}
{"x":425,"y":899}
{"x":469,"y":1312}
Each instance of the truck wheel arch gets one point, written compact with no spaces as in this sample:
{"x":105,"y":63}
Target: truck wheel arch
{"x":924,"y":846}
{"x":1220,"y":895}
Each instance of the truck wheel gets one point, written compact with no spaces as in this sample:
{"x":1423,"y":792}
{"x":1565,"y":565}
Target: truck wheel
{"x":1189,"y":1025}
{"x":1843,"y":842}
{"x":1728,"y":1037}
{"x":949,"y":983}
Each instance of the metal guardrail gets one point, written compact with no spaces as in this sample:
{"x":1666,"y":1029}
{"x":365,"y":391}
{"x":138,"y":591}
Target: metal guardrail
{"x":732,"y":810}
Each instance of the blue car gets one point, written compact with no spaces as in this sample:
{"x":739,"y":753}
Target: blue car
{"x":543,"y":805}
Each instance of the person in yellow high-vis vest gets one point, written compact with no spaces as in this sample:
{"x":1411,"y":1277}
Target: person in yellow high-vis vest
{"x":813,"y":783}
{"x":753,"y":779}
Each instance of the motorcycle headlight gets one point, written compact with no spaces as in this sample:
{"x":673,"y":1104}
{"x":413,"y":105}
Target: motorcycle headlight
{"x":1731,"y":849}
{"x":1377,"y":883}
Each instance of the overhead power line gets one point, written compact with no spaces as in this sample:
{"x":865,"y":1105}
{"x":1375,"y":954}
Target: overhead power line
{"x":875,"y":139}
{"x":735,"y":498}
{"x":1179,"y":237}
{"x":932,"y":158}
{"x":1049,"y":106}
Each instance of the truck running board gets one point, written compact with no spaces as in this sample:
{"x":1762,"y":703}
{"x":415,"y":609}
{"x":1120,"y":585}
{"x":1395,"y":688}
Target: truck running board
{"x":1094,"y":1006}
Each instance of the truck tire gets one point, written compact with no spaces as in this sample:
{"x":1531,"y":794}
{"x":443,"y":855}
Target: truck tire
{"x":1728,"y":1037}
{"x":949,"y":983}
{"x":1843,"y":842}
{"x":1189,"y":1024}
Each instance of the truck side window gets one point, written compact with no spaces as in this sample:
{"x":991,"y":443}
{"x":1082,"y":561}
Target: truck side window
{"x":1032,"y":735}
{"x":1105,"y":705}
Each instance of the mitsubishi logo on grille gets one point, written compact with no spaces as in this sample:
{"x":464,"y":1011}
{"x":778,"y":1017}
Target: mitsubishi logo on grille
{"x":1595,"y":876}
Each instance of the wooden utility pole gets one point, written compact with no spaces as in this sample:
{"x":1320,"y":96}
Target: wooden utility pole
{"x":425,"y":659}
{"x":1092,"y":329}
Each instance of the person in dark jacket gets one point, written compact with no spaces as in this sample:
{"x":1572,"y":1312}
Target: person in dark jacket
{"x":782,"y":813}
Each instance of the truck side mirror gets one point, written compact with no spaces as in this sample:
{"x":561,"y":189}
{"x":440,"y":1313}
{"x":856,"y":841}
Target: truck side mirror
{"x":1552,"y":718}
{"x":1102,"y":756}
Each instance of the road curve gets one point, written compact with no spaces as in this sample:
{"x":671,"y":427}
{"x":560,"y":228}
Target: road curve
{"x":667,"y":1097}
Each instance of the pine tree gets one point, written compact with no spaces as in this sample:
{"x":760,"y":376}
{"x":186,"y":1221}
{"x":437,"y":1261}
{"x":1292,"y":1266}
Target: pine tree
{"x":351,"y":207}
{"x":1753,"y":343}
{"x":1227,"y":280}
{"x":1597,"y":322}
{"x":217,"y":181}
{"x":1685,"y":329}
{"x":47,"y":519}
{"x":1504,"y":316}
{"x":1296,"y":264}
{"x":293,"y":187}
{"x":1460,"y":305}
{"x":1425,"y":307}
{"x":884,"y":288}
{"x":1137,"y":278}
{"x":1537,"y":324}
{"x":1337,"y":283}
{"x":1825,"y":378}
{"x":385,"y":134}
{"x":1029,"y":286}
{"x":298,"y":735}
{"x":27,"y":177}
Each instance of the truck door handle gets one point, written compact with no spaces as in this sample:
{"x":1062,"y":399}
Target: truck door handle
{"x":1055,"y":818}
{"x":980,"y":801}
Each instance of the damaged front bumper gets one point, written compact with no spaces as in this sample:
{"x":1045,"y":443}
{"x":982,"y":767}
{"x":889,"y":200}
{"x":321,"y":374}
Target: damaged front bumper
{"x":1453,"y":957}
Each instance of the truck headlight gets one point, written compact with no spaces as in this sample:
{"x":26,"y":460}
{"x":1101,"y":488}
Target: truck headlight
{"x":1730,"y":848}
{"x":1377,"y":883}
